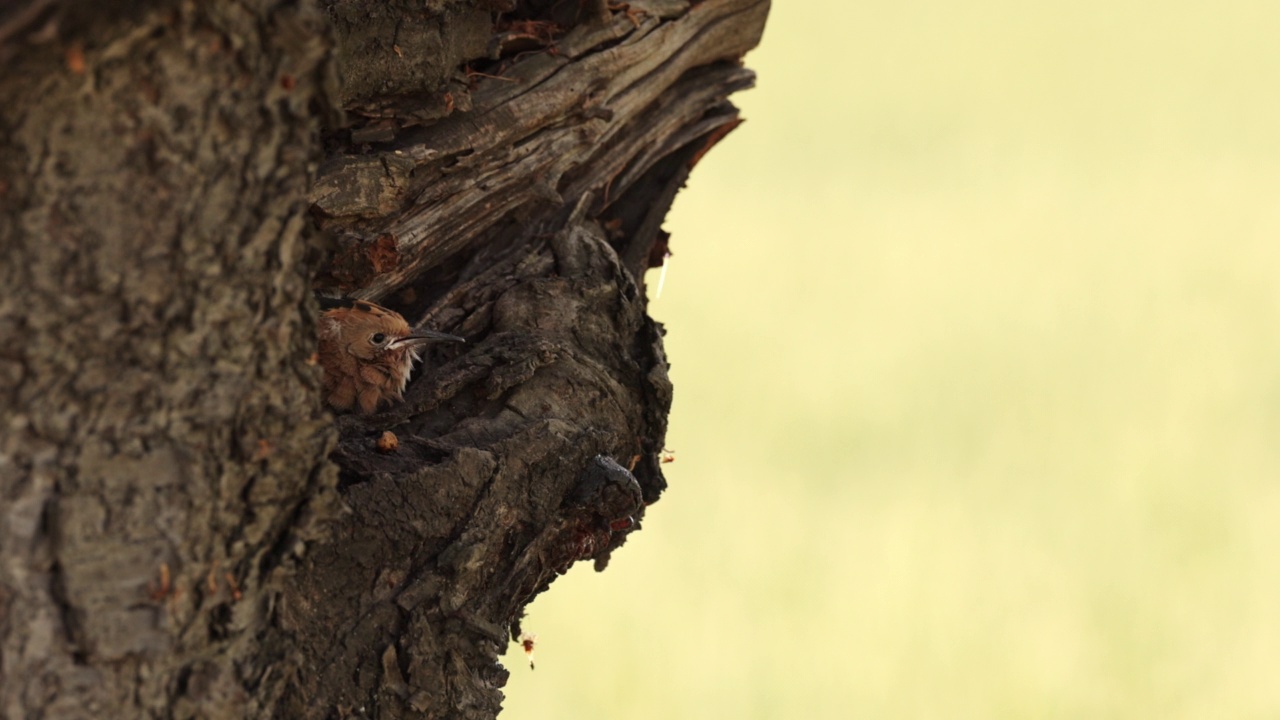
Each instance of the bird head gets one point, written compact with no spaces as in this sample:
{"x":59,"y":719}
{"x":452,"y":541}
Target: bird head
{"x":371,"y":332}
{"x":367,"y":353}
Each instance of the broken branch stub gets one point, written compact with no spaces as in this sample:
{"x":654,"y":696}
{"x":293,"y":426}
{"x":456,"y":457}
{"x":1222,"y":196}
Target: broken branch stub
{"x":521,"y":217}
{"x":595,"y":113}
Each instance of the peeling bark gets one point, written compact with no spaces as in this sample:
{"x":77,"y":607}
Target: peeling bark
{"x":185,"y":531}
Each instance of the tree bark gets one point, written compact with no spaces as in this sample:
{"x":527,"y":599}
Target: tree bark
{"x":185,"y":531}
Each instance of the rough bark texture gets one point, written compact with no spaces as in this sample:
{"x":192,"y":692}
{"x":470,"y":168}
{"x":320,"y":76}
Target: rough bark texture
{"x":184,"y":530}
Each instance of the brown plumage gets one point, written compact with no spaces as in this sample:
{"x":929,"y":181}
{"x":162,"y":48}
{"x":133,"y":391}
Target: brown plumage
{"x":367,"y":353}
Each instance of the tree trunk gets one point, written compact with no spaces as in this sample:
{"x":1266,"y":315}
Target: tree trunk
{"x":185,"y":530}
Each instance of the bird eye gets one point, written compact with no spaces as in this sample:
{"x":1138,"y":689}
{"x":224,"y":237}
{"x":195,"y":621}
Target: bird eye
{"x":379,"y":338}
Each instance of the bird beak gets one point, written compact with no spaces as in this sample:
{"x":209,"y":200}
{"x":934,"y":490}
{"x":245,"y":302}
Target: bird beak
{"x":421,"y":337}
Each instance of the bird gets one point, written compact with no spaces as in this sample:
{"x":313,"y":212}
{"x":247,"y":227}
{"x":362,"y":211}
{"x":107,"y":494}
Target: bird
{"x":367,"y":353}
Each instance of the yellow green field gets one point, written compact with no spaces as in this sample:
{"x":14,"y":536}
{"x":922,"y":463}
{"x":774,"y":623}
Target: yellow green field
{"x":975,"y":332}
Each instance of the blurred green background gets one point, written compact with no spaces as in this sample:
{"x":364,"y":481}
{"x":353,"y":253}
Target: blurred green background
{"x":974,"y":334}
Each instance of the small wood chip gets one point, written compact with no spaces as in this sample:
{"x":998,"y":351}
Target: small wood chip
{"x":388,"y":442}
{"x":75,"y":58}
